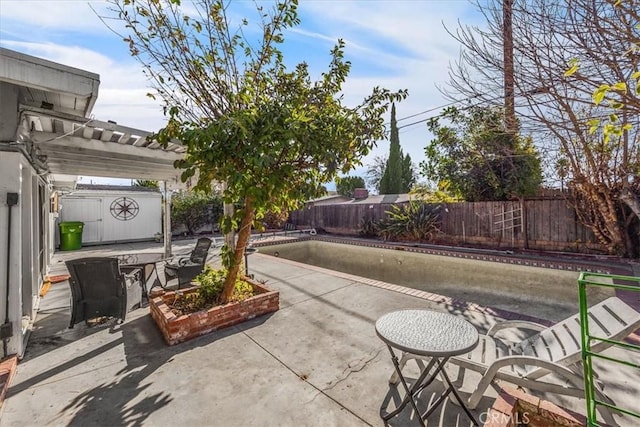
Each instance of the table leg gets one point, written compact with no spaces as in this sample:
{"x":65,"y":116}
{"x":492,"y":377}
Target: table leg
{"x":417,"y":387}
{"x":423,"y":381}
{"x":157,"y":281}
{"x":459,"y":399}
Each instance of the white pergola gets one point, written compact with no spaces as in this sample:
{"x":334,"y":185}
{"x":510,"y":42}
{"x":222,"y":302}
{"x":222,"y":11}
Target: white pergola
{"x":70,"y":145}
{"x":74,"y":145}
{"x":56,"y":130}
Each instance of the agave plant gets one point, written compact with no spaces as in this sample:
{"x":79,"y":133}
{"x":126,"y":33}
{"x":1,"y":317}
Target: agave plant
{"x":415,"y":221}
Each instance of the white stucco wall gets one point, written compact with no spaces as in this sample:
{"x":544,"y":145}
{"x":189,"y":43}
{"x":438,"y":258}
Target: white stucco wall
{"x":12,"y":165}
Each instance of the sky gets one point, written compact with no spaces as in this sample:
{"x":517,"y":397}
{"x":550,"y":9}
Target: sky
{"x":397,"y":44}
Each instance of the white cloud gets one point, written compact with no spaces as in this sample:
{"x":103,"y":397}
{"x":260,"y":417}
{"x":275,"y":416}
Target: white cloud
{"x":72,"y":56}
{"x":407,"y":37}
{"x":122,"y":95}
{"x":404,"y":42}
{"x":70,"y":15}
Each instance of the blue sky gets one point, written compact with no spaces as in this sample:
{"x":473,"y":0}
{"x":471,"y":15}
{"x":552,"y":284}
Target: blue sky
{"x":399,"y":44}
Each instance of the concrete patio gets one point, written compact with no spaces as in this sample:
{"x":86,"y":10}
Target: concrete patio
{"x":315,"y":362}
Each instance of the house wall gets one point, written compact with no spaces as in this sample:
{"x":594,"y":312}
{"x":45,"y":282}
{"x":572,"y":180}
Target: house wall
{"x":24,"y":275}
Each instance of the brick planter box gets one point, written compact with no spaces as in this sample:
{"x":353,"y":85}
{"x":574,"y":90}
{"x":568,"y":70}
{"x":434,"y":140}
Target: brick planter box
{"x":515,"y":408}
{"x":176,"y":329}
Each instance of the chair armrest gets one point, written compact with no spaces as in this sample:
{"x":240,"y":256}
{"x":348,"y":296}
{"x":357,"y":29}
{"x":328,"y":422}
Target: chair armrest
{"x":543,"y":366}
{"x":132,"y":275}
{"x":519,"y":324}
{"x":174,"y":262}
{"x":184,"y":261}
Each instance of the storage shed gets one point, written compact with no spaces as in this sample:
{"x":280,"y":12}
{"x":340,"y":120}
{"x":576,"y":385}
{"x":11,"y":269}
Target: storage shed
{"x":113,"y":213}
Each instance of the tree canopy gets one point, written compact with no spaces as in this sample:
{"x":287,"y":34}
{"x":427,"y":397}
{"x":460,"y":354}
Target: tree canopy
{"x":346,"y":185}
{"x":147,"y":183}
{"x":477,"y":159}
{"x":272,"y":133}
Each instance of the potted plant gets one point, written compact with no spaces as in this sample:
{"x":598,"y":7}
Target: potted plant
{"x":185,"y":314}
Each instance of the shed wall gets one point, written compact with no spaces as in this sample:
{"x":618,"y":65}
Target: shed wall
{"x":111,"y":217}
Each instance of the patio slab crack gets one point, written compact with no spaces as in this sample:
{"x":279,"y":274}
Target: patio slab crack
{"x":353,"y":367}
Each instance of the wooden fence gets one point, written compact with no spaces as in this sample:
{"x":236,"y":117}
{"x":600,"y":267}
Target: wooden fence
{"x":551,"y":224}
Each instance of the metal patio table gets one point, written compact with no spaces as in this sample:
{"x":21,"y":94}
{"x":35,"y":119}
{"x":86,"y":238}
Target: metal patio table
{"x":146,"y":261}
{"x":437,"y":336}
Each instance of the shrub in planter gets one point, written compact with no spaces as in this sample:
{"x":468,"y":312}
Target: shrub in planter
{"x":186,"y":314}
{"x":368,"y":227}
{"x":210,"y":285}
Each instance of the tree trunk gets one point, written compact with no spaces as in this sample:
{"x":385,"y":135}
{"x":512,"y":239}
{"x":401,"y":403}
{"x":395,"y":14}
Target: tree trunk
{"x":597,"y":211}
{"x":238,"y":254}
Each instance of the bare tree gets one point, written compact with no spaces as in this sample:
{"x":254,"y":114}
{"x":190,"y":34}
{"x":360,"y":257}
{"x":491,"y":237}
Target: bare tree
{"x":375,"y":171}
{"x":576,"y":82}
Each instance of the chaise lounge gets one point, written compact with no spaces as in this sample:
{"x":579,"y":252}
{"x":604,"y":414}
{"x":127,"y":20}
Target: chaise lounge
{"x":552,"y":350}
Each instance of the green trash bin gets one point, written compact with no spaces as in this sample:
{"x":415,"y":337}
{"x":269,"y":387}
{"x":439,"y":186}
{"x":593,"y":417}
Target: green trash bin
{"x":71,"y":235}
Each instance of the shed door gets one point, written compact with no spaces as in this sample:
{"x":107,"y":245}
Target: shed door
{"x":87,"y":210}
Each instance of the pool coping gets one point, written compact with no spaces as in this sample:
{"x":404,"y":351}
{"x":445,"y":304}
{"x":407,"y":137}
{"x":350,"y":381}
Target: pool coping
{"x":561,"y":262}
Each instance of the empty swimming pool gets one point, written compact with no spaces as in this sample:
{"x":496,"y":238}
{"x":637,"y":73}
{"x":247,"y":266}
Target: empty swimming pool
{"x":540,"y":292}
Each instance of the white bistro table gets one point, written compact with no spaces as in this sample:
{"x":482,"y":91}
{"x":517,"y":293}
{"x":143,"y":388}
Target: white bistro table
{"x":431,"y":334}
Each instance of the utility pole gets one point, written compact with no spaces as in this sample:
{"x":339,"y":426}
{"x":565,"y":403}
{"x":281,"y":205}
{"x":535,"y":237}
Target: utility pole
{"x":507,"y":54}
{"x":510,"y":123}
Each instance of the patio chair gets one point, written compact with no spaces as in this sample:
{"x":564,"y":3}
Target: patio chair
{"x":552,"y":350}
{"x":99,"y":289}
{"x":186,"y":268}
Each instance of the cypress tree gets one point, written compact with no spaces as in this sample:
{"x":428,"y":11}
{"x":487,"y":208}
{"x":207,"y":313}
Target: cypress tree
{"x":408,"y":177}
{"x":391,"y":182}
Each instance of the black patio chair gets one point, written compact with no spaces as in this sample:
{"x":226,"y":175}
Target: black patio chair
{"x":186,"y":268}
{"x":100,"y":289}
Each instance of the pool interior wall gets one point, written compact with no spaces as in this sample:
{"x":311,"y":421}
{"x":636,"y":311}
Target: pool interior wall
{"x":538,"y":292}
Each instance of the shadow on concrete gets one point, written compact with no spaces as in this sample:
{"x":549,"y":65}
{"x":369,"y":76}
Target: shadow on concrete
{"x":447,"y":414}
{"x":118,"y":402}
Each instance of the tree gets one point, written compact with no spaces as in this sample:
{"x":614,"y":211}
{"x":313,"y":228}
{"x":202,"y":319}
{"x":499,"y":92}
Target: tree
{"x":375,"y":171}
{"x":346,"y":185}
{"x":619,"y":96}
{"x":565,"y":50}
{"x":408,"y":174}
{"x":194,"y":209}
{"x":478,"y":159}
{"x":272,"y":134}
{"x":398,"y":175}
{"x":146,"y":183}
